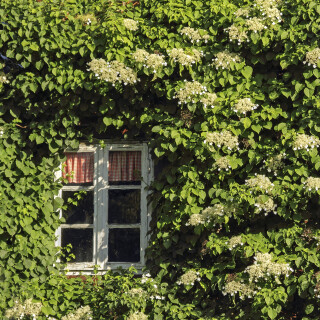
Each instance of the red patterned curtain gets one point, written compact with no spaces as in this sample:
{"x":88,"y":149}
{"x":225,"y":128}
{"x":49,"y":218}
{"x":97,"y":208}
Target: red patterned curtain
{"x":124,"y":166}
{"x":79,"y":167}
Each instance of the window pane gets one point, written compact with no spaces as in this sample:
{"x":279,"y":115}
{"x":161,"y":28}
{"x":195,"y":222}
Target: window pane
{"x":78,"y":168}
{"x":82,"y":210}
{"x":124,"y":206}
{"x":124,"y":167}
{"x":81,"y":241}
{"x":124,"y":245}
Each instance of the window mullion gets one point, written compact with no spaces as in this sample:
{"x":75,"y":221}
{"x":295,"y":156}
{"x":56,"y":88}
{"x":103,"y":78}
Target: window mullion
{"x":143,"y":218}
{"x":102,"y":207}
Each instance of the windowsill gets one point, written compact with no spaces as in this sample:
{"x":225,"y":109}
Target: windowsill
{"x":87,"y":268}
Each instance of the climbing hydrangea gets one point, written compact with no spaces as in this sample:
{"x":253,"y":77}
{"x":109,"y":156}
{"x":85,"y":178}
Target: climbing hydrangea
{"x":214,"y":214}
{"x":152,"y":61}
{"x":255,"y":24}
{"x":223,"y":138}
{"x":194,"y":35}
{"x":136,"y":292}
{"x":264,"y":267}
{"x":235,"y":33}
{"x":131,"y":24}
{"x":316,"y":289}
{"x":261,"y":182}
{"x":3,"y":79}
{"x":209,"y":99}
{"x":86,"y":18}
{"x":26,"y":309}
{"x":303,"y":141}
{"x":185,"y":58}
{"x":245,"y":105}
{"x":312,"y":183}
{"x":223,"y":163}
{"x":189,"y":278}
{"x":224,"y":59}
{"x":113,"y":72}
{"x":243,"y":12}
{"x":217,"y":212}
{"x":275,"y":163}
{"x":244,"y":290}
{"x":234,"y":242}
{"x":190,"y":92}
{"x":269,"y":10}
{"x":265,"y":204}
{"x":137,"y":316}
{"x":313,"y":57}
{"x":83,"y":313}
{"x":196,"y":219}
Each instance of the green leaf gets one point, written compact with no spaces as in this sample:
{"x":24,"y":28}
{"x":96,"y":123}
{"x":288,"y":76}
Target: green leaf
{"x":272,"y":313}
{"x":246,"y":122}
{"x":34,"y":47}
{"x":247,"y":72}
{"x":107,"y":121}
{"x":309,"y":308}
{"x":256,"y":128}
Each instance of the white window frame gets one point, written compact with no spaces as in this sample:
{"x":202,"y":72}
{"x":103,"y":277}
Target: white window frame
{"x":100,"y":189}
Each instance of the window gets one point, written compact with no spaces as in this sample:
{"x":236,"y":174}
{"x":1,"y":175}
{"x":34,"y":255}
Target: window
{"x":107,"y":219}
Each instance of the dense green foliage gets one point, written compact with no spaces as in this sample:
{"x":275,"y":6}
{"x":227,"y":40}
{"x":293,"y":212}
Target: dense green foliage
{"x":237,"y":130}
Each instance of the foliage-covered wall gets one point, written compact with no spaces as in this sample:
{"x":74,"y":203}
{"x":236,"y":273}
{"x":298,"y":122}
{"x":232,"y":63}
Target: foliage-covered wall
{"x":227,"y":93}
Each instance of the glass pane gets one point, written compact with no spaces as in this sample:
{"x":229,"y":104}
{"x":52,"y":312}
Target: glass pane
{"x":124,"y":167}
{"x":81,"y":241}
{"x":124,"y":206}
{"x":124,"y":245}
{"x":78,"y":168}
{"x":81,"y":208}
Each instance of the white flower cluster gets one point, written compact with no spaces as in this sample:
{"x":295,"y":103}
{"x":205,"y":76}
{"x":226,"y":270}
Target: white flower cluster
{"x":262,"y":182}
{"x":189,"y":278}
{"x":223,"y":138}
{"x":146,"y":278}
{"x":275,"y":163}
{"x":269,"y":10}
{"x":303,"y":141}
{"x":194,"y":35}
{"x":209,"y":99}
{"x":131,"y":24}
{"x":157,"y":297}
{"x":136,"y":292}
{"x":82,"y":313}
{"x":196,"y":219}
{"x":223,"y":163}
{"x":312,"y":184}
{"x":264,"y":267}
{"x":266,"y":205}
{"x":26,"y":309}
{"x":236,"y":33}
{"x":234,"y":242}
{"x":185,"y":58}
{"x":224,"y":59}
{"x":242,"y":12}
{"x":113,"y":72}
{"x":245,"y":105}
{"x":137,"y":316}
{"x":213,"y":214}
{"x":152,"y":61}
{"x":316,"y":289}
{"x":190,"y":92}
{"x":313,"y":57}
{"x":86,"y":18}
{"x":244,"y":290}
{"x":255,"y":24}
{"x":3,"y":78}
